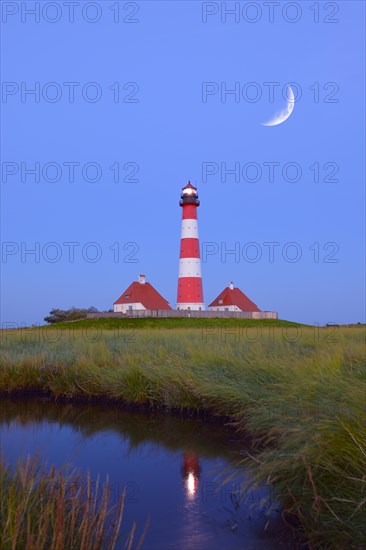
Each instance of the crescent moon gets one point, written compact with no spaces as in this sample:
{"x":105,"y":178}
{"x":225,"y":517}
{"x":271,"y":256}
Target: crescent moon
{"x":285,"y":113}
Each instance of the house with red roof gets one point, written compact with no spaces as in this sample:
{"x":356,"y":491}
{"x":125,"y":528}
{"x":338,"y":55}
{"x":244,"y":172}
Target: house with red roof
{"x":233,"y":299}
{"x":140,"y":295}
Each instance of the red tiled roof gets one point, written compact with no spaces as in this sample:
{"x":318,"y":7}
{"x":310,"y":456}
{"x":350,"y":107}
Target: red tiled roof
{"x":145,"y":294}
{"x":234,"y":297}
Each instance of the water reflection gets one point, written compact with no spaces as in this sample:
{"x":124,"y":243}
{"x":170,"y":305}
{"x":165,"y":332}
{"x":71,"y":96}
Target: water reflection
{"x":207,"y":438}
{"x":191,"y":472}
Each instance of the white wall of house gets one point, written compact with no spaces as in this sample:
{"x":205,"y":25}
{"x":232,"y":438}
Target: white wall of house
{"x":224,"y":308}
{"x":123,"y":308}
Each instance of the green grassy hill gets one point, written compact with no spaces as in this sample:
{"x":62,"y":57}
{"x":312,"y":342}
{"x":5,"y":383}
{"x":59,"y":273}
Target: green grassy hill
{"x":170,"y":323}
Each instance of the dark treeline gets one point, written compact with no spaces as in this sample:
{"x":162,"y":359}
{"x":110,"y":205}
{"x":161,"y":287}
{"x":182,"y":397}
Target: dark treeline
{"x":73,"y":314}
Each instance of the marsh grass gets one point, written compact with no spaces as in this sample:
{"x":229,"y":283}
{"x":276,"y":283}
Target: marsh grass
{"x":298,"y":392}
{"x":42,"y":509}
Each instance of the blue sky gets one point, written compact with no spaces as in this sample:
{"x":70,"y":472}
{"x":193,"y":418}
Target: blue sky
{"x":165,"y":129}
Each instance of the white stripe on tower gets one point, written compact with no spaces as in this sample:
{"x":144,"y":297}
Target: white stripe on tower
{"x":189,"y":229}
{"x":190,"y":295}
{"x":189,"y":267}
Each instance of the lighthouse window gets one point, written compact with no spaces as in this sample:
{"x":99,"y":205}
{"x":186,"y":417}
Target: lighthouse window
{"x":220,"y":301}
{"x":127,"y":295}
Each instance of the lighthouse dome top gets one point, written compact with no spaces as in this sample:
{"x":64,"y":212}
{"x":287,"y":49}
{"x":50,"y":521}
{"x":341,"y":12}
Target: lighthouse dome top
{"x":189,"y":190}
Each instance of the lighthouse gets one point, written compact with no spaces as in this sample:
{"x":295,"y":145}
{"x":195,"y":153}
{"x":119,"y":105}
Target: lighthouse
{"x":190,"y":294}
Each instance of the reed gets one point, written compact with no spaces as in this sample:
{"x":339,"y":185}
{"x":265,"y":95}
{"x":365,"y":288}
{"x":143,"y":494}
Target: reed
{"x":42,"y":509}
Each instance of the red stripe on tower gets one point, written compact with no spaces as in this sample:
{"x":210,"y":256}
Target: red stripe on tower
{"x":190,"y":294}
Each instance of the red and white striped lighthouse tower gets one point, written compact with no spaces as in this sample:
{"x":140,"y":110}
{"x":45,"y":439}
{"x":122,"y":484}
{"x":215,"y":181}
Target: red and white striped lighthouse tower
{"x":190,"y":294}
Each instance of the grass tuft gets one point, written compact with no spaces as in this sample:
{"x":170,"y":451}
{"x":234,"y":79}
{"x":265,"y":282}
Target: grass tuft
{"x":42,"y":509}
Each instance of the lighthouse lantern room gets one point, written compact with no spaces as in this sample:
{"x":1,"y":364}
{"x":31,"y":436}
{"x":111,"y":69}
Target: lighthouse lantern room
{"x":190,"y":294}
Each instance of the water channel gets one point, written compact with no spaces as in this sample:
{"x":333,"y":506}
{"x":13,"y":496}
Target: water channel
{"x":173,"y":469}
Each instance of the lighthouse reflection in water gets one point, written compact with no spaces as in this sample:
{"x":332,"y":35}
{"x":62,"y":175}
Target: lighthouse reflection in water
{"x":191,"y":472}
